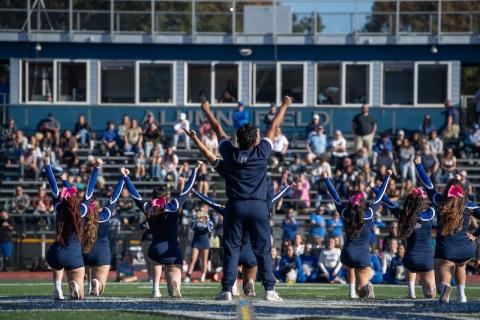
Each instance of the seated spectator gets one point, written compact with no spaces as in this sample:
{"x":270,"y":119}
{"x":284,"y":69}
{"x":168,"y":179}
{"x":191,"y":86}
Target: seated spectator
{"x":275,"y":260}
{"x":68,"y":147}
{"x":148,"y":120}
{"x":110,"y":138}
{"x":339,"y":149}
{"x":314,"y":123}
{"x":366,"y":174}
{"x":289,"y":226}
{"x":20,"y":145}
{"x":20,"y":202}
{"x":29,"y":164}
{"x":43,"y":206}
{"x":153,"y":138}
{"x":169,"y":167}
{"x":210,"y":141}
{"x":472,"y":143}
{"x":140,"y":165}
{"x":377,"y":276}
{"x":321,"y":165}
{"x":396,"y":273}
{"x":123,"y":127}
{"x":280,"y":148}
{"x":7,"y":134}
{"x":316,"y":144}
{"x":383,"y":145}
{"x":435,"y":143}
{"x":134,"y":138}
{"x":406,"y":164}
{"x":430,"y":163}
{"x":392,"y":191}
{"x":385,"y":159}
{"x":83,"y":132}
{"x":448,"y":165}
{"x":335,"y":227}
{"x":241,"y":116}
{"x":125,"y":203}
{"x":427,"y":126}
{"x":416,"y":140}
{"x":51,"y":125}
{"x":155,"y":164}
{"x":390,"y":251}
{"x":362,"y":158}
{"x":301,"y":193}
{"x":229,"y":94}
{"x":203,"y":179}
{"x":285,"y":178}
{"x":290,"y":267}
{"x":298,"y":245}
{"x":205,"y":128}
{"x":467,"y":185}
{"x":377,"y":225}
{"x":399,"y":140}
{"x":309,"y":265}
{"x":317,"y":227}
{"x":180,"y":124}
{"x":329,"y":264}
{"x":183,"y":175}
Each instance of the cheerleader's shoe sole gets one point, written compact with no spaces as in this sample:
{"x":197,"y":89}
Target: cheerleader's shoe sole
{"x":74,"y":290}
{"x":445,"y":295}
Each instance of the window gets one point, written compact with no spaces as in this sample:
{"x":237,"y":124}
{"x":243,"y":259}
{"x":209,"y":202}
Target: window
{"x":4,"y":81}
{"x":432,"y":83}
{"x":357,"y":83}
{"x":265,"y":83}
{"x":156,"y":83}
{"x":39,"y":85}
{"x":398,"y":83}
{"x":226,"y":83}
{"x":328,"y":84}
{"x":292,"y":82}
{"x":118,"y":82}
{"x":72,"y":81}
{"x":199,"y":82}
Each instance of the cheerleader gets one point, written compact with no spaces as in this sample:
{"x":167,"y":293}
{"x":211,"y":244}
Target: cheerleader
{"x":415,"y":225}
{"x":66,"y":252}
{"x":96,"y":247}
{"x":202,"y":228}
{"x":454,"y":246}
{"x":357,"y":219}
{"x":162,"y":218}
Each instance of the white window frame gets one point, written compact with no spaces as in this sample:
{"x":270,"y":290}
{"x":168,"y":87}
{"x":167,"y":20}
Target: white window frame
{"x":279,"y":82}
{"x":254,"y":83}
{"x":382,"y":76}
{"x":212,"y":64}
{"x":99,"y":81}
{"x":173,"y":64}
{"x":344,"y":82}
{"x":415,"y":82}
{"x":56,"y":83}
{"x":340,"y":69}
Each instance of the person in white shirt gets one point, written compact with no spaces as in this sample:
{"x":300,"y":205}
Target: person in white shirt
{"x":180,"y":124}
{"x":435,"y":143}
{"x":329,"y":263}
{"x":280,"y":148}
{"x":339,"y":148}
{"x":388,"y":255}
{"x":298,"y":245}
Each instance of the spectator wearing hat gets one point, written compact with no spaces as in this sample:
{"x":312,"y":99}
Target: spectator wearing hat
{"x":313,"y":124}
{"x":364,"y":127}
{"x":180,"y":124}
{"x":267,"y":120}
{"x":427,"y":126}
{"x":472,"y":144}
{"x":241,"y":116}
{"x":451,"y":129}
{"x":316,"y":144}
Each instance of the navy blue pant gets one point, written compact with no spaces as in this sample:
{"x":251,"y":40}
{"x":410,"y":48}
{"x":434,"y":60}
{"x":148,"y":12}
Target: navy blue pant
{"x":253,"y":216}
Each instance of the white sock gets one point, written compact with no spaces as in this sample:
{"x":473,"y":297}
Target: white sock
{"x":270,"y":291}
{"x":461,"y":290}
{"x":156,"y":286}
{"x":352,"y":288}
{"x":58,"y":285}
{"x":411,"y":287}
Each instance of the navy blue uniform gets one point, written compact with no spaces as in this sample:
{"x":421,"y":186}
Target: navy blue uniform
{"x":419,"y":252}
{"x":201,"y":233}
{"x":164,"y":248}
{"x":455,"y":247}
{"x":356,"y":250}
{"x":69,"y":255}
{"x":99,"y":254}
{"x":247,"y":257}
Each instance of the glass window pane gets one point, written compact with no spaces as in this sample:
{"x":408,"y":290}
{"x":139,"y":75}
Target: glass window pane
{"x":356,"y":84}
{"x":226,"y":83}
{"x":118,"y":82}
{"x":328,"y":84}
{"x":398,"y":83}
{"x":40,"y":81}
{"x":72,"y":81}
{"x":432,"y":83}
{"x":199,"y":85}
{"x":265,"y":83}
{"x":292,"y":82}
{"x":4,"y":81}
{"x":156,"y":83}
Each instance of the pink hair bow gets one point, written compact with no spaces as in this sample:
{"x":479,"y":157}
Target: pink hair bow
{"x":356,"y":200}
{"x":92,"y":206}
{"x":419,"y":192}
{"x":160,"y":202}
{"x":455,"y":191}
{"x":68,"y":192}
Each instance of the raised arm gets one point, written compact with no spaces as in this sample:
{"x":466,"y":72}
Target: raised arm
{"x":279,"y":195}
{"x":278,"y":120}
{"x":51,"y":180}
{"x":209,"y":202}
{"x":65,"y":181}
{"x":108,"y":210}
{"x":137,"y":198}
{"x":333,"y":192}
{"x":175,"y":204}
{"x":378,"y":196}
{"x":209,"y":155}
{"x":392,"y":206}
{"x":216,"y":126}
{"x":434,"y":196}
{"x":93,"y":179}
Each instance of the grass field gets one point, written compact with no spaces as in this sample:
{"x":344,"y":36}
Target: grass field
{"x":312,"y":301}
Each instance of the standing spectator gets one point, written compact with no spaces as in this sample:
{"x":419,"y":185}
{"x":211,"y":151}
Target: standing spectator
{"x":21,"y":202}
{"x":316,"y":144}
{"x":289,"y":225}
{"x":339,"y":148}
{"x":427,"y":126}
{"x":329,"y":262}
{"x":241,"y":116}
{"x":472,"y":145}
{"x":406,"y":164}
{"x":280,"y":148}
{"x":180,"y":124}
{"x":364,"y":127}
{"x":153,"y":138}
{"x":109,"y":144}
{"x":267,"y":120}
{"x":451,"y":129}
{"x":309,"y":264}
{"x":133,"y":137}
{"x":317,"y":227}
{"x":314,"y":123}
{"x":83,"y":132}
{"x":448,"y":165}
{"x":169,"y":166}
{"x":431,"y":163}
{"x":6,"y":245}
{"x":435,"y":143}
{"x":51,"y":125}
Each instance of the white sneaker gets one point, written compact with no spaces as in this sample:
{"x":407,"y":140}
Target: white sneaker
{"x":249,"y":288}
{"x":224,"y":295}
{"x":411,"y":295}
{"x":445,"y":294}
{"x":95,"y":288}
{"x":58,"y":294}
{"x":186,"y":280}
{"x":461,"y":299}
{"x":272,"y":296}
{"x":202,"y":278}
{"x":235,"y":291}
{"x":74,"y":290}
{"x":353,"y":295}
{"x":156,"y":293}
